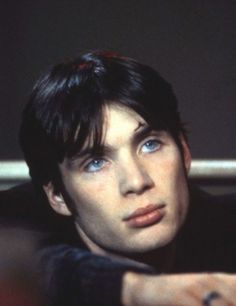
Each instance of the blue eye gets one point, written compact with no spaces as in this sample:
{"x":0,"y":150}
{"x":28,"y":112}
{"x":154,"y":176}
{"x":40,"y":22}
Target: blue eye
{"x":151,"y":146}
{"x":95,"y":165}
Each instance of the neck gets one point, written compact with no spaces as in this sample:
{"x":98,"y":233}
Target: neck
{"x":162,"y":259}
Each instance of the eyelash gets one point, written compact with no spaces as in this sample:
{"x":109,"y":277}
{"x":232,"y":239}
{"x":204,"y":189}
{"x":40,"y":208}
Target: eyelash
{"x":157,"y":142}
{"x":91,"y":162}
{"x":97,"y":160}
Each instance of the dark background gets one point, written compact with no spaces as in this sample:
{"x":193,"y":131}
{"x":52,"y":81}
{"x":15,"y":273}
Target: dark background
{"x":191,"y":43}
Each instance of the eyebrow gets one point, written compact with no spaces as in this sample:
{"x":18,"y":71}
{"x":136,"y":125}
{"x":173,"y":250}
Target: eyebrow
{"x":140,"y":124}
{"x":141,"y":131}
{"x":100,"y":149}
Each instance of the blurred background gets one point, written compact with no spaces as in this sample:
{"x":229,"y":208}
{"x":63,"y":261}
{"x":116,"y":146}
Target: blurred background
{"x":191,"y":43}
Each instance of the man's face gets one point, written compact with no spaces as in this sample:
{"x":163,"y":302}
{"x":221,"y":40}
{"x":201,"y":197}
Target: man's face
{"x":133,"y":196}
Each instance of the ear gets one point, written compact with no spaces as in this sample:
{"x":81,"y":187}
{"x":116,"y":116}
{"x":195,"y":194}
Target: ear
{"x":187,"y":158}
{"x":56,"y":200}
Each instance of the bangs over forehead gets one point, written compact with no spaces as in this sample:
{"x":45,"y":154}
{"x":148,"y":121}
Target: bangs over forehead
{"x":66,"y":107}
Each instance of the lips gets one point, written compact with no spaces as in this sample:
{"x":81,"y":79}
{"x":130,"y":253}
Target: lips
{"x":145,"y":216}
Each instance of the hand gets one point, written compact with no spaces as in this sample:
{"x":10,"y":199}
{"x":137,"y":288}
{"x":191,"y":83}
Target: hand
{"x":178,"y":289}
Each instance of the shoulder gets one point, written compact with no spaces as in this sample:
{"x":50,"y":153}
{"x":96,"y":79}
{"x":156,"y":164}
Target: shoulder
{"x":71,"y":274}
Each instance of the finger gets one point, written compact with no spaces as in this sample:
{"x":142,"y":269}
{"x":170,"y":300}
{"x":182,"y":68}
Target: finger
{"x":227,"y":287}
{"x":213,"y":289}
{"x":218,"y":289}
{"x":213,"y":298}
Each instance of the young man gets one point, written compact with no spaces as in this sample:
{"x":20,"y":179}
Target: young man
{"x":103,"y":137}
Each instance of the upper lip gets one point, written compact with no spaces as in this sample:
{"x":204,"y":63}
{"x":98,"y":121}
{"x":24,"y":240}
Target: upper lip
{"x":141,"y":211}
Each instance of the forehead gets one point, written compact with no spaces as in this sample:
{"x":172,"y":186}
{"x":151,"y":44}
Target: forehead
{"x":120,"y":121}
{"x":118,"y":126}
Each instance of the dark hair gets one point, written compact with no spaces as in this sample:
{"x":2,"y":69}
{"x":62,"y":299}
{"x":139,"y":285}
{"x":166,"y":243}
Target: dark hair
{"x":66,"y":107}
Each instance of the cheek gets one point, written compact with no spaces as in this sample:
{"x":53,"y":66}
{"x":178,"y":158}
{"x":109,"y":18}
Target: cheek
{"x":178,"y":189}
{"x":170,"y":167}
{"x":89,"y":197}
{"x":100,"y":189}
{"x":168,"y":170}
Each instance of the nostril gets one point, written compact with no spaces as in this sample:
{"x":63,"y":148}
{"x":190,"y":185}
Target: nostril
{"x":136,"y":183}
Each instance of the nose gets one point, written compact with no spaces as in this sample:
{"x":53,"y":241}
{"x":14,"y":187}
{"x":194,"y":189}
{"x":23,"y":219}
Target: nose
{"x":134,"y":178}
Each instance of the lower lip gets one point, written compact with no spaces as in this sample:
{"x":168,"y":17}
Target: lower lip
{"x":148,"y":219}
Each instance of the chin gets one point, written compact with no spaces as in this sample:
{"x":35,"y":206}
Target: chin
{"x":149,"y":245}
{"x":163,"y":240}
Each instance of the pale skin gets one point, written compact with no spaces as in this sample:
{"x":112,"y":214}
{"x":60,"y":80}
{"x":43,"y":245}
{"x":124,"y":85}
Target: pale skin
{"x":138,"y":169}
{"x":178,"y":290}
